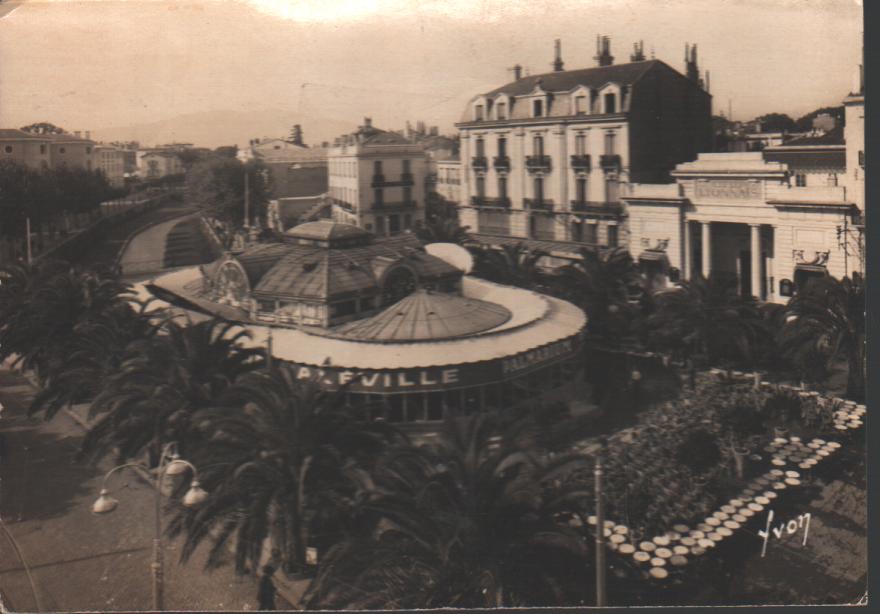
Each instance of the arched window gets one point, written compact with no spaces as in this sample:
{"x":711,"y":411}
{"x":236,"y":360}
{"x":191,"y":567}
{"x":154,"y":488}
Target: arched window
{"x":399,"y":283}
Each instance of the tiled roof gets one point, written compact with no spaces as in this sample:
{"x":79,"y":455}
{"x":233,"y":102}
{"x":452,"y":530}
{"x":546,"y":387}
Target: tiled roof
{"x":14,"y":134}
{"x":567,"y":80}
{"x":387,"y":138}
{"x":425,"y":315}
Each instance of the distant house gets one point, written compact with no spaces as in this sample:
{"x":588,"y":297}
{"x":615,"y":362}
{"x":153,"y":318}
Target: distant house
{"x":47,"y":150}
{"x":296,"y":170}
{"x":158,"y":163}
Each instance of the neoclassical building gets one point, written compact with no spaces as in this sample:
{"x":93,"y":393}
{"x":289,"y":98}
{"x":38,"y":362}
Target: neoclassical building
{"x":377,"y":181}
{"x":544,"y":157}
{"x":770,"y":220}
{"x":738,"y":215}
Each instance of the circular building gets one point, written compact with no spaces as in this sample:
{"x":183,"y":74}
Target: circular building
{"x":406,"y":334}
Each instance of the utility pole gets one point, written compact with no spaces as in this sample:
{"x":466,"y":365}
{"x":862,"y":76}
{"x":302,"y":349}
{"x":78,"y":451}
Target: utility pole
{"x":600,"y":527}
{"x":247,"y":217}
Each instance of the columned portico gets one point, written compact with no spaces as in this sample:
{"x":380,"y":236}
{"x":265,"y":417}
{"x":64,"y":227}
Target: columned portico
{"x":706,"y":248}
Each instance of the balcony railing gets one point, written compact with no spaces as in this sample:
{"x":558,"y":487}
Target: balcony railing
{"x":538,"y":163}
{"x":580,"y":162}
{"x":501,"y":163}
{"x":397,"y":204}
{"x":485,"y":201}
{"x":596,"y":208}
{"x":610,"y":162}
{"x":380,"y":181}
{"x":538,"y":204}
{"x":479,"y":162}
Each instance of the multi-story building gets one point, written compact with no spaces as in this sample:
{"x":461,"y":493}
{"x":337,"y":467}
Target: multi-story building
{"x":72,"y":150}
{"x":47,"y":150}
{"x":111,"y":160}
{"x":158,"y":163}
{"x":296,"y":169}
{"x":854,"y":133}
{"x":448,"y":180}
{"x":25,"y":148}
{"x":812,"y":160}
{"x":544,"y":157}
{"x":377,"y":181}
{"x":770,"y":219}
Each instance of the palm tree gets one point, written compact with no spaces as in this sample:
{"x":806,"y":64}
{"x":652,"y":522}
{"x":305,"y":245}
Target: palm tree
{"x":93,"y":353}
{"x":707,"y":320}
{"x":512,"y":265}
{"x":162,"y":381}
{"x":283,"y":461}
{"x":43,"y":306}
{"x":443,"y":230}
{"x":827,"y":320}
{"x":608,"y":286}
{"x":467,"y":523}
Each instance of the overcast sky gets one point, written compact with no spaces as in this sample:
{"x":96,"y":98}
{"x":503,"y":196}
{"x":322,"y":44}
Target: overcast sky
{"x":108,"y":63}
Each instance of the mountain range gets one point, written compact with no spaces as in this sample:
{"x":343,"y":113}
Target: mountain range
{"x":227,"y":127}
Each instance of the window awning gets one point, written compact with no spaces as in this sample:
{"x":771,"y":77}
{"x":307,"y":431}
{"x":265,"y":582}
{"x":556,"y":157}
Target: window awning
{"x":653,"y":255}
{"x":811,"y":268}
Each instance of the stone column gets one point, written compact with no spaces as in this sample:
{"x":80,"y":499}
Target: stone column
{"x":756,"y":260}
{"x":687,"y":250}
{"x":707,"y":248}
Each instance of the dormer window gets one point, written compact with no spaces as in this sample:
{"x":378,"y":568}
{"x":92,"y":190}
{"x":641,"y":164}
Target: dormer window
{"x":501,"y":110}
{"x":580,"y":105}
{"x":537,"y":108}
{"x":610,"y":103}
{"x":478,"y":113}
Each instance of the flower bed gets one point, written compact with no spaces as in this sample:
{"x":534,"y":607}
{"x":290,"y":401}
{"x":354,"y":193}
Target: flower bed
{"x":697,"y":471}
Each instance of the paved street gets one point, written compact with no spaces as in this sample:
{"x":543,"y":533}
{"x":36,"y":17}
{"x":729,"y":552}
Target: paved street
{"x":80,"y":561}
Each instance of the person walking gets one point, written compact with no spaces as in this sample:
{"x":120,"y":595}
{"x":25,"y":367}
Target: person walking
{"x":266,"y":591}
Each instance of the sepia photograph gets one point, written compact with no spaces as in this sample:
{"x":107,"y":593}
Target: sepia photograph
{"x":419,"y":304}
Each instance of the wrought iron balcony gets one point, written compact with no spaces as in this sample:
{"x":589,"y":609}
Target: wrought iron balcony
{"x":480,"y":162}
{"x":397,"y":204}
{"x":485,"y":201}
{"x":538,"y":164}
{"x":596,"y":208}
{"x":538,"y":204}
{"x":580,"y":162}
{"x":501,"y":163}
{"x":380,"y":181}
{"x":610,"y":162}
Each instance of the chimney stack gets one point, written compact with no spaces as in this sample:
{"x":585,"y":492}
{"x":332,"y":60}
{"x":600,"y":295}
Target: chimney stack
{"x":557,"y":63}
{"x":517,"y":72}
{"x":89,"y":135}
{"x":368,"y":122}
{"x":77,"y":134}
{"x":603,"y":51}
{"x":638,"y":54}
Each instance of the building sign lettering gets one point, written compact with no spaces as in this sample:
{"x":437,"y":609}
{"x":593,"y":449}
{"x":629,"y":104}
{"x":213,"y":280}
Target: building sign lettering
{"x":729,"y":189}
{"x":536,"y":356}
{"x":438,"y":378}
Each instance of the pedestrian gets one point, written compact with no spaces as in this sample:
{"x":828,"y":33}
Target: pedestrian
{"x":266,"y":591}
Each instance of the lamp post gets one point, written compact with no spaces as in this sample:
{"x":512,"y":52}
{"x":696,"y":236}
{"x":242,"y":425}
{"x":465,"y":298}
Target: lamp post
{"x":169,"y":464}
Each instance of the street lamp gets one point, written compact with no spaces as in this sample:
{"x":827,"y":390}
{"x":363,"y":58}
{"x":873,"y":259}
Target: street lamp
{"x":170,"y":464}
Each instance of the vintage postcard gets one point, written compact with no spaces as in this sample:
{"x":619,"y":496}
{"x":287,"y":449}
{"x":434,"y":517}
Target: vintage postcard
{"x":419,"y":304}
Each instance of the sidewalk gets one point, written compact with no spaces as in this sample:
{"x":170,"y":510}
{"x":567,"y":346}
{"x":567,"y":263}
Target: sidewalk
{"x":78,"y":560}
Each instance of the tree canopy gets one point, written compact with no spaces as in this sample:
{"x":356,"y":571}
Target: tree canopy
{"x":217,"y":185}
{"x":776,"y":122}
{"x":43,"y":128}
